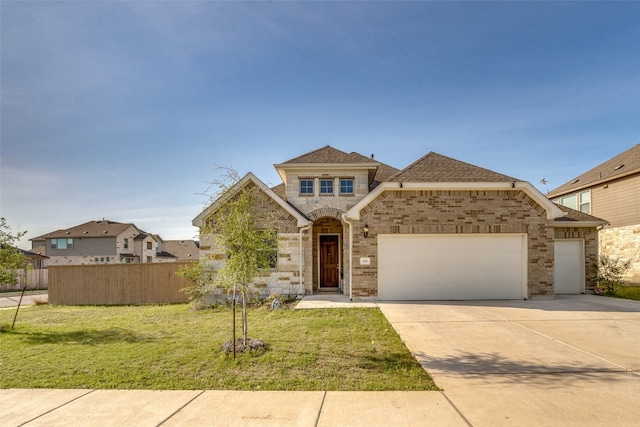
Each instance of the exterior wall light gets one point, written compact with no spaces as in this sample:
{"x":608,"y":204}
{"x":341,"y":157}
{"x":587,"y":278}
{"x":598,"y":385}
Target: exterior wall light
{"x":366,"y":230}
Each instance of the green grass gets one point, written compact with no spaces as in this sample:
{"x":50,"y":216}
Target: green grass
{"x":171,"y":347}
{"x":628,"y":292}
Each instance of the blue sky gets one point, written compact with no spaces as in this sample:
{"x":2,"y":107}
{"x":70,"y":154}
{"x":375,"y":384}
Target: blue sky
{"x":123,"y":110}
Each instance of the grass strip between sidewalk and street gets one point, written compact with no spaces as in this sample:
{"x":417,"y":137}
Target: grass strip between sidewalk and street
{"x":171,"y":347}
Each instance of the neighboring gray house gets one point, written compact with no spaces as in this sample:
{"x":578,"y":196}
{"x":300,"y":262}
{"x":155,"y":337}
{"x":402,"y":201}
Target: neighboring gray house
{"x":97,"y":242}
{"x":440,"y":229}
{"x":611,"y":191}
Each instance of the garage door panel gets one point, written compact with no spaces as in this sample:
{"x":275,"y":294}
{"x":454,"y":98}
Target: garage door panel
{"x":569,"y":266}
{"x":446,"y":267}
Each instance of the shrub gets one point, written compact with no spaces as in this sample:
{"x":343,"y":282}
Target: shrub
{"x":609,"y":274}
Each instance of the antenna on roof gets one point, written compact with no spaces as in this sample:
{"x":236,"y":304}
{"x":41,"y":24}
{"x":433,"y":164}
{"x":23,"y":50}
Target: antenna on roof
{"x":372,"y":155}
{"x":543,"y":181}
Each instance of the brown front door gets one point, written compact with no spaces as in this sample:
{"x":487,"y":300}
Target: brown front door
{"x":329,"y":262}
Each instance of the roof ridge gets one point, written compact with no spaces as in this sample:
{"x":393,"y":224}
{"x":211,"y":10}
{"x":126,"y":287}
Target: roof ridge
{"x":436,"y":167}
{"x":309,"y":153}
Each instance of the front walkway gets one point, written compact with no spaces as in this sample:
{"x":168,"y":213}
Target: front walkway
{"x":332,"y":300}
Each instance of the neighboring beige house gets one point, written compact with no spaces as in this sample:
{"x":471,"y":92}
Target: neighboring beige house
{"x":611,"y":191}
{"x":440,"y":229}
{"x":183,"y":250}
{"x":97,"y":242}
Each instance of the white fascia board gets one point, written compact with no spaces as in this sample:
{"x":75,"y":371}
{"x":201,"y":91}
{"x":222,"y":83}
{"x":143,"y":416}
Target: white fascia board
{"x":552,"y":210}
{"x":587,"y":224}
{"x":211,"y":209}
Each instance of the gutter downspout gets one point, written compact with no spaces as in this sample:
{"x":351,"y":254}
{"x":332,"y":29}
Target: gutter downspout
{"x":344,"y":218}
{"x":305,"y":228}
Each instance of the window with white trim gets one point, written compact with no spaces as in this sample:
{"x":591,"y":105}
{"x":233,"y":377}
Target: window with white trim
{"x":61,"y":243}
{"x":578,"y":201}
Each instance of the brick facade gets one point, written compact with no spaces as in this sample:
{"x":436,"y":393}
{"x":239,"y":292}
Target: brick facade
{"x":440,"y":196}
{"x":453,"y":212}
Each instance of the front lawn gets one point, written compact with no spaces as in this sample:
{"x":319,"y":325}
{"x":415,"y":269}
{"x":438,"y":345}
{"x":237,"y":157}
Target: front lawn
{"x":171,"y":347}
{"x":628,"y":292}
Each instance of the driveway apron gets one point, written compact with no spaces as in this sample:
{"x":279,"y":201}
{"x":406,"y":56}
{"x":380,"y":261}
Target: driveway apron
{"x":571,"y":361}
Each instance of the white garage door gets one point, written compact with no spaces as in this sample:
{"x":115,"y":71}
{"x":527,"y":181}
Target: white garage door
{"x":452,"y":267}
{"x":569,"y":266}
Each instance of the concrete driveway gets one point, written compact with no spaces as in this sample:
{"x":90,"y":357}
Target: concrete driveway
{"x":572,"y":361}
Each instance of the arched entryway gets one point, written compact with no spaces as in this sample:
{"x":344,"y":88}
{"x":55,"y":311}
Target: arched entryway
{"x":327,"y":254}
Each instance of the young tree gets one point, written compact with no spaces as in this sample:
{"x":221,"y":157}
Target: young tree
{"x":246,"y":231}
{"x":12,"y":260}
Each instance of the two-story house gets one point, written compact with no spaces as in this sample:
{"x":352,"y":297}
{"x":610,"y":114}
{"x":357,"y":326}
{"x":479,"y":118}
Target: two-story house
{"x":97,"y":242}
{"x":611,"y":191}
{"x":439,"y":229}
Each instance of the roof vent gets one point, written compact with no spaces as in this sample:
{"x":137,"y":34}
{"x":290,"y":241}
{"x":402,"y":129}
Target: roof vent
{"x":85,"y":232}
{"x":618,"y":167}
{"x":575,"y":180}
{"x":67,"y":232}
{"x":105,"y":232}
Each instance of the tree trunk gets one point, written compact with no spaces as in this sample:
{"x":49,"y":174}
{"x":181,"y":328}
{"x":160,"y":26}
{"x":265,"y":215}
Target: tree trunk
{"x":233,"y":310}
{"x":245,"y":327}
{"x":24,"y":288}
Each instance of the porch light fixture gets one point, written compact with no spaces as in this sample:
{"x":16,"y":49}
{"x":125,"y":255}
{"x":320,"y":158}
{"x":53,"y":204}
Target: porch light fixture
{"x":366,"y":230}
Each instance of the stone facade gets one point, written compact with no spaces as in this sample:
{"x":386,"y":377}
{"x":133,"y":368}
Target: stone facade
{"x":454,"y":212}
{"x":310,"y":203}
{"x":287,"y":278}
{"x":623,"y":243}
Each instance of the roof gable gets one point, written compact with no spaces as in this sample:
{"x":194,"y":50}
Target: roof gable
{"x":249,"y":178}
{"x":621,"y":165}
{"x":434,"y":167}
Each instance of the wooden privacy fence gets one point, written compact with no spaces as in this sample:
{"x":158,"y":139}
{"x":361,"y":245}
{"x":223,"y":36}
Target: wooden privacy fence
{"x":117,"y":284}
{"x":36,"y":279}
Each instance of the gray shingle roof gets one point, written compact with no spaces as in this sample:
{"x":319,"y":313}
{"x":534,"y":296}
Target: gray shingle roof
{"x":183,"y":250}
{"x":623,"y":164}
{"x":330,"y":155}
{"x":103,"y":228}
{"x":574,"y":215}
{"x":434,"y":167}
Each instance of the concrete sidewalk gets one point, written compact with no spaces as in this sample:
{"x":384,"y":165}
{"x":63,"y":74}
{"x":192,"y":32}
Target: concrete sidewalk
{"x":46,"y":407}
{"x":28,"y":299}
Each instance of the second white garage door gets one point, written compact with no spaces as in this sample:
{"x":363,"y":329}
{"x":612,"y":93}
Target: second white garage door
{"x":569,"y":266}
{"x":452,"y":267}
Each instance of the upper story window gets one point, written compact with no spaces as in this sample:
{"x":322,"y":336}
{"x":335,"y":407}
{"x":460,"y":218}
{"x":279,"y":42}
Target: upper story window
{"x":306,"y":187}
{"x":326,"y":187}
{"x":585,"y":202}
{"x":126,"y":244}
{"x":149,"y":245}
{"x":578,"y":201}
{"x":61,"y":243}
{"x":346,"y":186}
